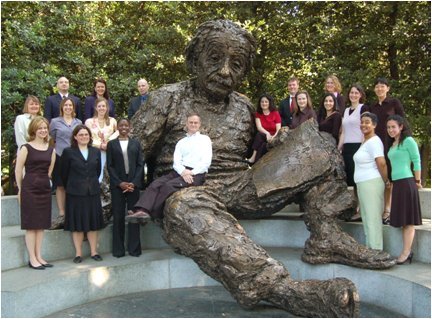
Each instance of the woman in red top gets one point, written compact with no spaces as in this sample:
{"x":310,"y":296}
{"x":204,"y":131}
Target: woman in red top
{"x":268,"y":123}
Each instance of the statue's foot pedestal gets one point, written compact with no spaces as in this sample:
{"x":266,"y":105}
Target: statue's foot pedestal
{"x":315,"y":298}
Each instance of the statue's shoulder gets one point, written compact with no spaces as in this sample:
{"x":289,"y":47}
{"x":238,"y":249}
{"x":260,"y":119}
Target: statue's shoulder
{"x":242,"y":101}
{"x":171,"y":90}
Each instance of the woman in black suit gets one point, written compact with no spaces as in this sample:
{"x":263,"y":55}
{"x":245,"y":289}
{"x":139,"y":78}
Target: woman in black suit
{"x":125,"y":167}
{"x":80,"y":169}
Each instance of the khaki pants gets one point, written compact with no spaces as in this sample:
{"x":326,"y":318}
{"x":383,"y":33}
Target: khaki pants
{"x":371,"y":198}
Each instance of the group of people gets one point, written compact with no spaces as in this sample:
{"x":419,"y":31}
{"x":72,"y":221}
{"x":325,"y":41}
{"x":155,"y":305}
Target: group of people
{"x":376,"y":145}
{"x":372,"y":139}
{"x":59,"y":151}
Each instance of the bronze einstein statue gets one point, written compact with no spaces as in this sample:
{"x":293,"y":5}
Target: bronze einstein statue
{"x":303,"y":165}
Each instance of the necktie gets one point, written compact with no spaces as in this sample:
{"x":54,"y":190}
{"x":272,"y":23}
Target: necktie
{"x":63,"y":97}
{"x":292,"y":104}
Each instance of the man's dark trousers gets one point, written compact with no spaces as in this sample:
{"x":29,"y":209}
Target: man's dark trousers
{"x":153,"y":198}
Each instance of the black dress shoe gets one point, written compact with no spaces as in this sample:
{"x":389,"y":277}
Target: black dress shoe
{"x":118,"y":256}
{"x":97,"y":257}
{"x":77,"y":259}
{"x":48,"y":265}
{"x":37,"y":267}
{"x":134,"y":255}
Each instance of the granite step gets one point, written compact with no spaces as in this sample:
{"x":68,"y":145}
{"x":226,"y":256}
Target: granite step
{"x":276,"y":231}
{"x":402,"y":289}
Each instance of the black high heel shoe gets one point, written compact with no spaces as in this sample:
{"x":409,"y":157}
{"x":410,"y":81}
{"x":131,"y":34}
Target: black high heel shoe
{"x":409,"y":258}
{"x":37,"y":268}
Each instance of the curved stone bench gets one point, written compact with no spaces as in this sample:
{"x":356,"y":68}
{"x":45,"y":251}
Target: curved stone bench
{"x":27,"y":293}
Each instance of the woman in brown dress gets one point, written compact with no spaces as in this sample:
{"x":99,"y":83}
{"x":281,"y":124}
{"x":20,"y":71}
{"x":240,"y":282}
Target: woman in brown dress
{"x":37,"y":158}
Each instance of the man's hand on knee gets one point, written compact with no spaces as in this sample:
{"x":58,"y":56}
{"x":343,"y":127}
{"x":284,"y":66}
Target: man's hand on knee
{"x":187,"y":176}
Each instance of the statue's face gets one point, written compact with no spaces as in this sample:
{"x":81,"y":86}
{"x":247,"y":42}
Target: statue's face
{"x":222,"y":64}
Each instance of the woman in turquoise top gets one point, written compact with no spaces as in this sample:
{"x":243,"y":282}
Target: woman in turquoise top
{"x":405,"y":208}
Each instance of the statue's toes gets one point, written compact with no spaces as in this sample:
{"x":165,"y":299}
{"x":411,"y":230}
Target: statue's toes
{"x":343,"y":298}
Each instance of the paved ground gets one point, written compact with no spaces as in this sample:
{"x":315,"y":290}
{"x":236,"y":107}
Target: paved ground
{"x":203,"y":302}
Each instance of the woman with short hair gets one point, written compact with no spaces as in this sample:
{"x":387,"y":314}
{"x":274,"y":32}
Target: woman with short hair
{"x":31,"y":110}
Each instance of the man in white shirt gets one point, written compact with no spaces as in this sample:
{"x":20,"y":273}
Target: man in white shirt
{"x":192,"y":158}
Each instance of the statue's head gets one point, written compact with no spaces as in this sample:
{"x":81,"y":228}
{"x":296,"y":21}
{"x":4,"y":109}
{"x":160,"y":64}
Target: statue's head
{"x":219,"y":55}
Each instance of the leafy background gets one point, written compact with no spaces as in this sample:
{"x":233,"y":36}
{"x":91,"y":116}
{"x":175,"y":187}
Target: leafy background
{"x":124,"y":41}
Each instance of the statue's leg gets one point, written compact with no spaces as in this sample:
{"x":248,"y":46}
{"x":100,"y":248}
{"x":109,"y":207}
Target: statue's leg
{"x":306,"y":166}
{"x":328,"y":242}
{"x":198,"y":225}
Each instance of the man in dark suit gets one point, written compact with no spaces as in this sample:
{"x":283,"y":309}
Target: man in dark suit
{"x":125,"y":166}
{"x":286,"y":107}
{"x":136,"y":102}
{"x":52,"y":103}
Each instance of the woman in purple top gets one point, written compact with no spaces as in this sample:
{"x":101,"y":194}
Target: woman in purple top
{"x":329,"y":119}
{"x":100,"y":89}
{"x":61,"y":132}
{"x":303,"y":110}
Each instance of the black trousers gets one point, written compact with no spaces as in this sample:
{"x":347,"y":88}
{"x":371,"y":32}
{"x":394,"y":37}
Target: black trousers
{"x":119,"y":201}
{"x":259,"y":145}
{"x":153,"y":198}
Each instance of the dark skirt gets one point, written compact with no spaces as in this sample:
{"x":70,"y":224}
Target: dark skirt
{"x":56,"y":179}
{"x":349,"y":149}
{"x":83,"y":213}
{"x":405,"y":204}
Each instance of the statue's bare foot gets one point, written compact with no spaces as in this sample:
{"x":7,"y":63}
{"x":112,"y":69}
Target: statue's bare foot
{"x":339,"y":247}
{"x":316,"y":298}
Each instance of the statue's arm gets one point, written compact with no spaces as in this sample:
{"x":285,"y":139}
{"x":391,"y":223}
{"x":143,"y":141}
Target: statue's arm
{"x":150,"y":121}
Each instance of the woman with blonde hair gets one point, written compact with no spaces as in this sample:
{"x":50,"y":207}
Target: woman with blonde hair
{"x":31,"y":110}
{"x":102,"y":127}
{"x":333,"y":85}
{"x":34,"y":189}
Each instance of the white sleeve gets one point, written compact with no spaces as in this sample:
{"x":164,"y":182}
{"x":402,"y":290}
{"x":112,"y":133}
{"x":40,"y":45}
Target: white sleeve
{"x":20,"y":131}
{"x":376,"y":148}
{"x":177,"y":160}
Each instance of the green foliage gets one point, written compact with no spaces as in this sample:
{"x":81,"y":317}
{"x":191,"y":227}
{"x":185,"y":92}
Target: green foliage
{"x":124,"y":41}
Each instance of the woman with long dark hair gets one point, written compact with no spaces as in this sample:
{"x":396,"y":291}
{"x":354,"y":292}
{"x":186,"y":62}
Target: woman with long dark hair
{"x":405,"y":204}
{"x":100,"y":90}
{"x":268,"y":123}
{"x":329,"y":119}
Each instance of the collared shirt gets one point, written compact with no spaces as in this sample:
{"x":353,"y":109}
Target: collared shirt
{"x":61,"y":132}
{"x":193,"y":151}
{"x":389,"y":106}
{"x":143,"y":98}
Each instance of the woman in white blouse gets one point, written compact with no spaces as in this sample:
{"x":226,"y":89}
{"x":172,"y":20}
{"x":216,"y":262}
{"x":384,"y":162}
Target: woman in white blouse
{"x":103,"y":128}
{"x":31,"y":110}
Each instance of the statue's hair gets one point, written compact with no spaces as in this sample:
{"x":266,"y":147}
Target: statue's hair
{"x":197,"y":43}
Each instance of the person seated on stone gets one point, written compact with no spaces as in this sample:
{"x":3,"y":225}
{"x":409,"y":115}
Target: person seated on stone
{"x":192,"y":159}
{"x":303,"y":110}
{"x":329,"y":119}
{"x":125,"y":164}
{"x":100,"y":90}
{"x":52,"y":103}
{"x":136,"y":102}
{"x":268,"y":124}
